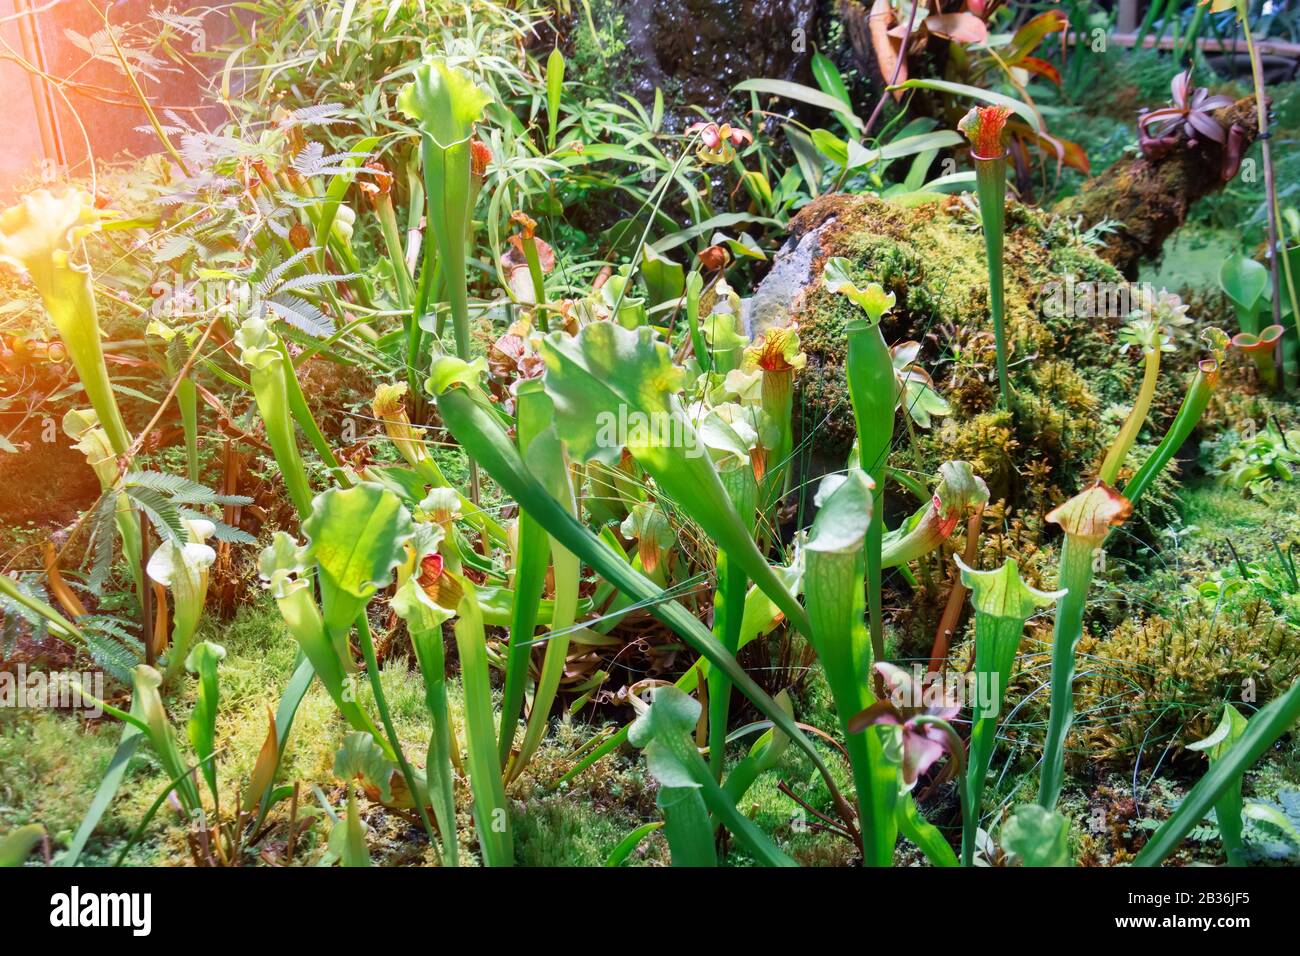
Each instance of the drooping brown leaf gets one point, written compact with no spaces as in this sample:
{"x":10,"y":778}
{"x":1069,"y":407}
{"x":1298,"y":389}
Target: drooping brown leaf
{"x":960,"y":27}
{"x":884,"y":46}
{"x":264,"y":769}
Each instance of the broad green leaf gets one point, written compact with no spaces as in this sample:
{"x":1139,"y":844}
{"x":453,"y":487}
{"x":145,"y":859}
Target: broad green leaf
{"x":664,"y":732}
{"x":17,"y":844}
{"x":1038,"y":837}
{"x":338,"y":187}
{"x":849,"y":153}
{"x":147,"y":707}
{"x":911,"y":145}
{"x":665,"y":280}
{"x":1244,"y":281}
{"x":356,"y":537}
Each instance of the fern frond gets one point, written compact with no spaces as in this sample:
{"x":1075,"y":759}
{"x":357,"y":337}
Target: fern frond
{"x":31,"y":586}
{"x":270,"y":279}
{"x":313,"y":280}
{"x":103,"y":537}
{"x":222,"y":531}
{"x":181,"y":490}
{"x":313,"y":115}
{"x":117,"y":660}
{"x":301,"y":314}
{"x":160,"y":511}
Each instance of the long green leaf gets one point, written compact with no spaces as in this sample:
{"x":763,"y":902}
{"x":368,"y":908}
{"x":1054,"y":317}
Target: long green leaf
{"x":132,"y":737}
{"x":618,"y":856}
{"x":1269,"y":723}
{"x":554,"y":91}
{"x":491,"y":813}
{"x":1020,"y":108}
{"x":483,"y":439}
{"x":804,"y":94}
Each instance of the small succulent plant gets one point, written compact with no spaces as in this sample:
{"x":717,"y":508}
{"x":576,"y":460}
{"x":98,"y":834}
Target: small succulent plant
{"x":1189,"y":115}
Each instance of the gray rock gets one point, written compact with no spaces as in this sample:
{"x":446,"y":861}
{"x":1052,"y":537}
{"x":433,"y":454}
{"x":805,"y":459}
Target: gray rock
{"x":791,"y":273}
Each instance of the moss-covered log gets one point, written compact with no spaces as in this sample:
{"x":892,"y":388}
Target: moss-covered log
{"x":1148,"y":197}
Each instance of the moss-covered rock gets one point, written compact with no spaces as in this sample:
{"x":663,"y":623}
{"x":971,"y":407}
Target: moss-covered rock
{"x":1072,"y":384}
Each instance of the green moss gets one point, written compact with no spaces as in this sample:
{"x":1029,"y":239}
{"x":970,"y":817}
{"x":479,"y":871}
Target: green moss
{"x":1159,"y":681}
{"x":932,"y":258}
{"x":1222,"y":514}
{"x":50,"y":765}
